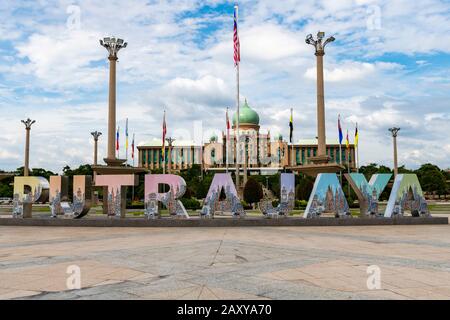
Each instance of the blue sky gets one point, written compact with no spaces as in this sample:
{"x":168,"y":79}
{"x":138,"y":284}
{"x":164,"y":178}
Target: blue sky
{"x":389,"y":66}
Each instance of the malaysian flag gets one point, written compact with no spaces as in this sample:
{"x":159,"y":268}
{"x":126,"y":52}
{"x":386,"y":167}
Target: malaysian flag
{"x":237,"y":45}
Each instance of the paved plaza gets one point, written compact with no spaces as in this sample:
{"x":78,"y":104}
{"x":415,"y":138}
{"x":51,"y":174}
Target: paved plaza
{"x":226,"y":263}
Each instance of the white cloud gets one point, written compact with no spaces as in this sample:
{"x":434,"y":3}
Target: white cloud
{"x":271,"y":42}
{"x":63,"y":60}
{"x":437,"y":116}
{"x":351,"y":70}
{"x":7,"y":155}
{"x":207,"y":89}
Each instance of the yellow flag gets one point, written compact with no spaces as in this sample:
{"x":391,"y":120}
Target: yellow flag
{"x":347,"y":142}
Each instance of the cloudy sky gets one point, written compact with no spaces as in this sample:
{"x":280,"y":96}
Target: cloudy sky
{"x":389,"y":66}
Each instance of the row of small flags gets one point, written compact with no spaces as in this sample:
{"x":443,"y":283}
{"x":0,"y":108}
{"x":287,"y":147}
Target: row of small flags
{"x":126,"y":141}
{"x":228,"y":126}
{"x":341,"y":136}
{"x":347,"y":141}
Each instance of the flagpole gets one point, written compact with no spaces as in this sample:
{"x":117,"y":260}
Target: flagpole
{"x":340,"y":161}
{"x":163,"y":145}
{"x":132,"y":155}
{"x":133,"y":149}
{"x":293,"y":154}
{"x":201,"y":159}
{"x":226,"y":154}
{"x":126,"y":143}
{"x":357,"y":155}
{"x":357,"y":148}
{"x":237,"y":128}
{"x":237,"y":60}
{"x":340,"y":147}
{"x":292,"y":142}
{"x":226,"y":145}
{"x":348,"y":169}
{"x":348,"y":163}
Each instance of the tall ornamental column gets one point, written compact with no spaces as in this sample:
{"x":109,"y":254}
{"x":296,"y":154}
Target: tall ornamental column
{"x":28,"y":123}
{"x":394,"y":131}
{"x":96,"y":135}
{"x":113,"y":46}
{"x":319,"y":46}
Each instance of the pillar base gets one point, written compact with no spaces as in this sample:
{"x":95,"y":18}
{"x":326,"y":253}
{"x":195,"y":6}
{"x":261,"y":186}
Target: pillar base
{"x":114,"y":162}
{"x":314,"y":169}
{"x":320,"y":159}
{"x":118,"y":170}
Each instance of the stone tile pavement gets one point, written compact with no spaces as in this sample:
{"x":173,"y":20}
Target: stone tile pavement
{"x":226,"y":263}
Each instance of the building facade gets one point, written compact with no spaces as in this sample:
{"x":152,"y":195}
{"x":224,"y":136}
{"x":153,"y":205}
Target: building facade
{"x":258,"y":151}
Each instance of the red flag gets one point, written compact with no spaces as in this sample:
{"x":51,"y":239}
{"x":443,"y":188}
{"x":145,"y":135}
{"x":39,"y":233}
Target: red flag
{"x":117,"y":139}
{"x":228,"y":126}
{"x":164,"y":134}
{"x":237,"y":45}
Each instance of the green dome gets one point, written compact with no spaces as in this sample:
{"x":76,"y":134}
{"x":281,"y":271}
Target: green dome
{"x":246,"y":115}
{"x":213,"y":138}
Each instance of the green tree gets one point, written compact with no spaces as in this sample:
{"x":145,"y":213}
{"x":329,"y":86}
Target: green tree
{"x":304,"y":188}
{"x":274,"y":184}
{"x":139,"y":189}
{"x":403,"y":170}
{"x":369,"y":170}
{"x":373,"y":168}
{"x":192,"y":173}
{"x":432,"y":179}
{"x":82,"y":170}
{"x":253,"y":192}
{"x":36,"y":172}
{"x":6,"y":187}
{"x":203,"y":186}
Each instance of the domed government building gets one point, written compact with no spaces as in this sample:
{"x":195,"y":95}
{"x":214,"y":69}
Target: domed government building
{"x":265,"y":155}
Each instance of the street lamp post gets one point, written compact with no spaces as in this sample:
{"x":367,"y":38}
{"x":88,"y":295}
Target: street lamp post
{"x":394,"y":131}
{"x":28,"y":123}
{"x":170,"y":140}
{"x":96,"y":135}
{"x":319,"y":46}
{"x":113,"y":45}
